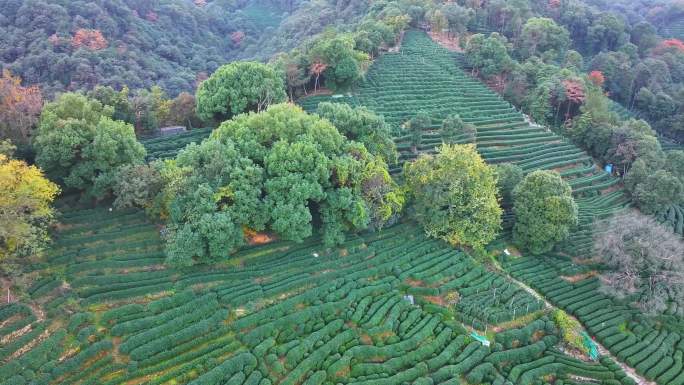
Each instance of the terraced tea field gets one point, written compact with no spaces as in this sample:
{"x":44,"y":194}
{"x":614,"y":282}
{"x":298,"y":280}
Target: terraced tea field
{"x":653,"y":349}
{"x":386,"y":308}
{"x":426,"y":77}
{"x":423,"y":76}
{"x":166,"y":147}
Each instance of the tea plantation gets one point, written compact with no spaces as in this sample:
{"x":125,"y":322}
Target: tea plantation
{"x":654,"y":349}
{"x":423,"y":76}
{"x":384,"y":308}
{"x":106,"y":311}
{"x":165,"y":147}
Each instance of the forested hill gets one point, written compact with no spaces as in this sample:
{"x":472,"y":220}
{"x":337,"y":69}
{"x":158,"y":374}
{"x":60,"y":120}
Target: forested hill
{"x":74,"y":45}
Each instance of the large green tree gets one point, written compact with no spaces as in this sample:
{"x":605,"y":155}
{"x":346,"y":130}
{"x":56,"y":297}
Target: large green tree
{"x":541,"y":35}
{"x":489,"y":55}
{"x":454,"y":195}
{"x":342,"y":65}
{"x":544,"y":211}
{"x":361,"y":125}
{"x":276,"y":171}
{"x":80,"y":146}
{"x":657,"y":191}
{"x":416,"y":125}
{"x":239,"y":87}
{"x":25,"y":208}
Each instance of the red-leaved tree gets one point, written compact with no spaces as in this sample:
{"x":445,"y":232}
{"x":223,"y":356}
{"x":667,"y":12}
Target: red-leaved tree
{"x":574,"y":96}
{"x":91,"y":39}
{"x":237,"y":37}
{"x":19,"y":108}
{"x":597,"y":78}
{"x":669,"y":44}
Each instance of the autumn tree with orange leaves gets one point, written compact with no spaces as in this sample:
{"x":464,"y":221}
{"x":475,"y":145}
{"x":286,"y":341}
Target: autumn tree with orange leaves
{"x":91,"y":39}
{"x":317,"y":68}
{"x":597,"y":78}
{"x":19,"y":108}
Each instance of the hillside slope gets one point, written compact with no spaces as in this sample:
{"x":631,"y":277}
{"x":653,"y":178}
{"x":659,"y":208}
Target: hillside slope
{"x":423,"y":76}
{"x":387,"y":308}
{"x":103,"y":310}
{"x":74,"y":45}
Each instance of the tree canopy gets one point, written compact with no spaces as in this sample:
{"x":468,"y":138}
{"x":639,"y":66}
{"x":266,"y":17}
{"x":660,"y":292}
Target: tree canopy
{"x":341,"y":63}
{"x":278,"y":170}
{"x":25,"y":208}
{"x":454,"y":128}
{"x":361,"y":125}
{"x":489,"y":55}
{"x":545,"y":211}
{"x":454,"y":195}
{"x":239,"y":87}
{"x":80,"y":146}
{"x":541,"y":35}
{"x":645,"y":262}
{"x":19,"y":108}
{"x":75,"y":45}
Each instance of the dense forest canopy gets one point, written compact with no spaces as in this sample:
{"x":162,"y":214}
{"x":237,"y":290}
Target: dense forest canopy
{"x":76,"y":45}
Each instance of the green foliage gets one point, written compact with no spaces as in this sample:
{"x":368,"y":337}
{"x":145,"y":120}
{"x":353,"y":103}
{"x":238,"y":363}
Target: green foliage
{"x":454,"y":195}
{"x":138,"y":186}
{"x":489,"y":55}
{"x":343,"y":64}
{"x":541,"y":35}
{"x":268,"y":171}
{"x":674,"y":163}
{"x":239,"y":87}
{"x":570,"y":329}
{"x":119,"y":101}
{"x":508,"y":177}
{"x":545,"y":211}
{"x":417,"y":125}
{"x":361,"y":125}
{"x":146,"y":43}
{"x":148,"y":110}
{"x":657,"y":191}
{"x":80,"y":146}
{"x":453,"y":126}
{"x":7,"y":148}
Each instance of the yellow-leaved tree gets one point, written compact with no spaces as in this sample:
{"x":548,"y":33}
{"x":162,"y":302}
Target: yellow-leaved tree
{"x":25,"y":207}
{"x":455,"y":195}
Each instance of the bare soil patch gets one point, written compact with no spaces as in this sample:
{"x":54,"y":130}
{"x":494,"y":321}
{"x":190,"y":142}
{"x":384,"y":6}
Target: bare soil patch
{"x":579,"y":277}
{"x":452,"y":43}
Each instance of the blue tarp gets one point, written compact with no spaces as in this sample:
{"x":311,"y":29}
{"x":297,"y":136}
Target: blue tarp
{"x":480,"y":338}
{"x":591,"y":346}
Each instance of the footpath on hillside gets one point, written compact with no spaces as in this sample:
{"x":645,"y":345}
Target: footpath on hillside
{"x":602,"y":350}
